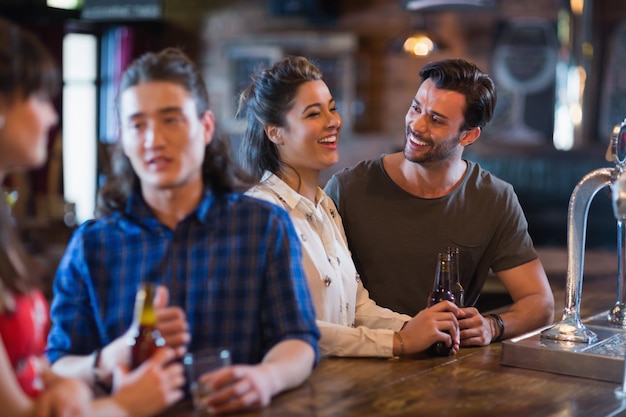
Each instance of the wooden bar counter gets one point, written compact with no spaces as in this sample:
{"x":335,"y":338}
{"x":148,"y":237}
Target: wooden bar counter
{"x":471,"y":383}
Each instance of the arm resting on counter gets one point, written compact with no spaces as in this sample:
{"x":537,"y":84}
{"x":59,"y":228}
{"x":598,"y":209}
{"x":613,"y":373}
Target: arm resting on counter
{"x":249,"y":387}
{"x":532,"y":308}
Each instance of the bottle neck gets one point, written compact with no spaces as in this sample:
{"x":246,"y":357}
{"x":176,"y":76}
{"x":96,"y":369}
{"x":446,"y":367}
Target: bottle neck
{"x":454,"y":265}
{"x":145,"y":315}
{"x":443,"y":274}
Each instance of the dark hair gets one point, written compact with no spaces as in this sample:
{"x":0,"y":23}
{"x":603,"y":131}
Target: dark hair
{"x":26,"y":68}
{"x":266,"y":101}
{"x":465,"y":78}
{"x":219,"y":171}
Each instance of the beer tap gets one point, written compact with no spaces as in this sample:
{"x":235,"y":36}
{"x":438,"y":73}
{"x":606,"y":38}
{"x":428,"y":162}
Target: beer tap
{"x":571,"y":328}
{"x":617,"y":314}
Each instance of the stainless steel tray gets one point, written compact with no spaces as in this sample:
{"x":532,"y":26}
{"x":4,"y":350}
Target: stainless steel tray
{"x":603,"y":359}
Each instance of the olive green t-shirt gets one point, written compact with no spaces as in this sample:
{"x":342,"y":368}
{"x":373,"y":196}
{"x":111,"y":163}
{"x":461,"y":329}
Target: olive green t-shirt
{"x":395,"y":236}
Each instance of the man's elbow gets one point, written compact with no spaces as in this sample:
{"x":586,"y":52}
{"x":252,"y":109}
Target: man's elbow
{"x":547,"y":308}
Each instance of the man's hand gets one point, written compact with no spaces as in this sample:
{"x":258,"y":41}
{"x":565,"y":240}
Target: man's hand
{"x":240,"y":387}
{"x":476,"y":330}
{"x":171,"y":322}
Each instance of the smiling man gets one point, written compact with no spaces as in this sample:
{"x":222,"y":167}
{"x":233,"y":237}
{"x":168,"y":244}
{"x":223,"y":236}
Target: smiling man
{"x":400,"y":210}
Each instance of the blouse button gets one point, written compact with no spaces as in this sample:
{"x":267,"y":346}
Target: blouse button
{"x":327,"y":280}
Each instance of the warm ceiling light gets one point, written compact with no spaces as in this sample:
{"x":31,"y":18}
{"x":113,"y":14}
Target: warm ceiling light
{"x":419,"y":44}
{"x":65,"y":4}
{"x":577,"y":6}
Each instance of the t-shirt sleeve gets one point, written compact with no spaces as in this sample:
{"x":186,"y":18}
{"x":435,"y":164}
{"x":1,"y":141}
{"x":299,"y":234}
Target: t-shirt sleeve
{"x":515,"y":246}
{"x":332,"y":190}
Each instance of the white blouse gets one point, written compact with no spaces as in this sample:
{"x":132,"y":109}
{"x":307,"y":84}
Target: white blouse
{"x":350,"y":322}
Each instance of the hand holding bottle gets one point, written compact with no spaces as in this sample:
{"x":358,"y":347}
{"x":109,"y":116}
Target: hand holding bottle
{"x":156,"y":325}
{"x":438,"y":323}
{"x":171,"y":322}
{"x":145,"y":337}
{"x":442,"y":291}
{"x":155,"y":384}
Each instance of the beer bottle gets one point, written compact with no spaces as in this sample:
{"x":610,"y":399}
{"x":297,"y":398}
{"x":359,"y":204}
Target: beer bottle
{"x":145,"y":338}
{"x":441,"y":292}
{"x":455,"y":286}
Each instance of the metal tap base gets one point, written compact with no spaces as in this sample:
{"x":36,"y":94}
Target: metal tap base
{"x":601,"y":359}
{"x":570,"y":330}
{"x":617,"y":315}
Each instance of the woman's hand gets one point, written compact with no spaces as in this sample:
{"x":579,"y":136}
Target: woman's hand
{"x":438,"y":323}
{"x":64,"y":397}
{"x":154,"y":385}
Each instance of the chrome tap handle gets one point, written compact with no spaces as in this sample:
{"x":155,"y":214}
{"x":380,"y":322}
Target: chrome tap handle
{"x":617,"y":315}
{"x":616,"y":151}
{"x":617,"y":148}
{"x":571,"y":328}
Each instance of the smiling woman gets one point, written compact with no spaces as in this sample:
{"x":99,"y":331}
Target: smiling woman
{"x":292,"y":134}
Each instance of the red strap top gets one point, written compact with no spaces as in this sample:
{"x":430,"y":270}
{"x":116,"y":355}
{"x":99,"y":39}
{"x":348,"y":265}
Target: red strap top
{"x":24,"y":334}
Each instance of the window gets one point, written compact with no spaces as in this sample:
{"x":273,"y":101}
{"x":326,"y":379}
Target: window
{"x":79,"y":123}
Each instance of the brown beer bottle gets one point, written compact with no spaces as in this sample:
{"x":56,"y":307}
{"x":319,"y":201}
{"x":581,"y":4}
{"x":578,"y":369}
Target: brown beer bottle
{"x":145,"y":338}
{"x":455,"y":287}
{"x":441,"y":292}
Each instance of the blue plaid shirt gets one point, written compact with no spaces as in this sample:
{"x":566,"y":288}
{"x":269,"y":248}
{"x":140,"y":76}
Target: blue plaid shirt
{"x":233,"y":265}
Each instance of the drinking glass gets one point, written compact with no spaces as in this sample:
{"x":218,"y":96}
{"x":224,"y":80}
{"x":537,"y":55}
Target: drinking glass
{"x":199,"y":363}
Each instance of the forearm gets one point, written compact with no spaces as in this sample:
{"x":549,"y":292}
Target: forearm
{"x":14,"y":401}
{"x":95,"y":369}
{"x":289,"y":363}
{"x":74,"y":366}
{"x":108,"y":407}
{"x":527,"y":314}
{"x":342,"y":341}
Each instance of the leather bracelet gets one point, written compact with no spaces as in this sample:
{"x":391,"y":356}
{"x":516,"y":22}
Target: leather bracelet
{"x":97,"y":380}
{"x":399,"y":336}
{"x":500,"y":323}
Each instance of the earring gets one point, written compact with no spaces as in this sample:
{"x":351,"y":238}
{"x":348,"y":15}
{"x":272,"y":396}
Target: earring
{"x":1,"y":121}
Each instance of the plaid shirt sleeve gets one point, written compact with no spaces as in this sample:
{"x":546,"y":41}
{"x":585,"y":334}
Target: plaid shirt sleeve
{"x":289,"y":312}
{"x":74,"y":328}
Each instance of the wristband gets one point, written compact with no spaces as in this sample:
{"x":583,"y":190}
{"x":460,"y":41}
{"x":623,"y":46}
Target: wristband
{"x":399,"y":336}
{"x":97,"y":378}
{"x":500,"y":323}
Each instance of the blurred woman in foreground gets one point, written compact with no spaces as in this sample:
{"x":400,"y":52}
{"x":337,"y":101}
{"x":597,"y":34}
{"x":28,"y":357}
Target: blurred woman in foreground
{"x":28,"y":81}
